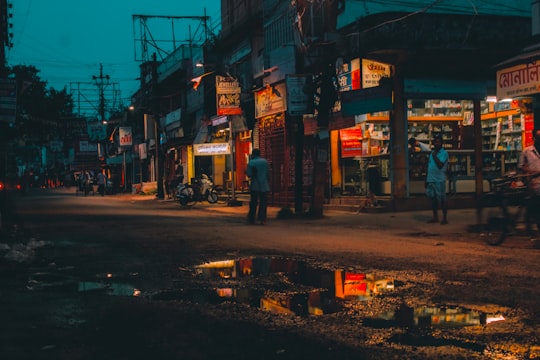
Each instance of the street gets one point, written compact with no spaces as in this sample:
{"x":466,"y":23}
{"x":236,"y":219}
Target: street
{"x":131,"y":277}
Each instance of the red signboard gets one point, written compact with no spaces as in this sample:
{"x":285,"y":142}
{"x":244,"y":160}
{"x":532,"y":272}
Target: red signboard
{"x":529,"y":125}
{"x":351,"y":142}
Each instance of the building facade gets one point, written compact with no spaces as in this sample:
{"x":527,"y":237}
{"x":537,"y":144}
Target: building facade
{"x":330,"y":92}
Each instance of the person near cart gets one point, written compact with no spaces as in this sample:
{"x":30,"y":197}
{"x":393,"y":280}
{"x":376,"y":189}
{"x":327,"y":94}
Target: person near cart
{"x":529,"y":164}
{"x":257,"y":170}
{"x":436,"y":180}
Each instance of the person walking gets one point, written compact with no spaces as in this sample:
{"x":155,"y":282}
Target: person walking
{"x":436,"y":180}
{"x":257,"y":170}
{"x":529,"y":164}
{"x":101,"y":182}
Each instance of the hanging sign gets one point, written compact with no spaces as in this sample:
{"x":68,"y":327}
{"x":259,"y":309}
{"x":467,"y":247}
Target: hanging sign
{"x":125,"y":136}
{"x":299,"y":102}
{"x":348,"y":75}
{"x":210,"y":149}
{"x":228,"y":96}
{"x":270,"y":100}
{"x":373,"y":72}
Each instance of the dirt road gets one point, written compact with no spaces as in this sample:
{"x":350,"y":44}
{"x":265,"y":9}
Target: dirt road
{"x":58,"y":296}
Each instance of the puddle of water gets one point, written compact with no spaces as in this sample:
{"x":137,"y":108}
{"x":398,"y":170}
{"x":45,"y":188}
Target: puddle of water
{"x":328,"y":290}
{"x":432,"y":316}
{"x":57,"y":281}
{"x":116,"y":289}
{"x":314,"y":291}
{"x":42,"y":281}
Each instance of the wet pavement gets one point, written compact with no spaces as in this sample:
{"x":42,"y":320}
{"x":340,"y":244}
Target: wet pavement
{"x":354,"y":283}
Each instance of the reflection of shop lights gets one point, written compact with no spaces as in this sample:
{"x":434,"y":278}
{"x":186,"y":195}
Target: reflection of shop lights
{"x":218,"y":264}
{"x":225,"y":292}
{"x":494,"y":319}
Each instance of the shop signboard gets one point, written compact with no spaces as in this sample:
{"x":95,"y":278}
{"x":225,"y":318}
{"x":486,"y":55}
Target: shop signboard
{"x":373,"y":72}
{"x":125,"y":135}
{"x":299,"y":101}
{"x":348,"y":75}
{"x":85,"y":147}
{"x":270,"y":100}
{"x":228,"y":96}
{"x":529,"y":125}
{"x":219,"y":120}
{"x":519,"y":80}
{"x":211,"y":149}
{"x":351,"y":144}
{"x":142,"y":150}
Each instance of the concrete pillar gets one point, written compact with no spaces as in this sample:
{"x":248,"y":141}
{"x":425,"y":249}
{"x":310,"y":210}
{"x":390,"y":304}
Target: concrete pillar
{"x":398,"y":135}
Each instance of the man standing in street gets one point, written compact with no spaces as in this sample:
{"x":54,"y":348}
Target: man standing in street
{"x":529,"y":164}
{"x":101,"y":182}
{"x":257,"y":170}
{"x":436,"y":180}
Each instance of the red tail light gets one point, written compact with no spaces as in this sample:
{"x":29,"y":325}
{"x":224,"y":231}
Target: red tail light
{"x":1,"y":186}
{"x":18,"y":186}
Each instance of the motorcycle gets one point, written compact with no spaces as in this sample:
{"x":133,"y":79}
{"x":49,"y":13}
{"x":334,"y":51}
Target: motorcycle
{"x":201,"y":189}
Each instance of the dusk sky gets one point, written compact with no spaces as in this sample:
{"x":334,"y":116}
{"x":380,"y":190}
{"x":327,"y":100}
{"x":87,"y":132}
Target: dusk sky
{"x":67,"y":40}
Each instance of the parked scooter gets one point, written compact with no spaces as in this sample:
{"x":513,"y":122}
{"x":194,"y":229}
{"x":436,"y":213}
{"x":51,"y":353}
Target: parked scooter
{"x":201,"y":189}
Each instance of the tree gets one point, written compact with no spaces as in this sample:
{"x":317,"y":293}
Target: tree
{"x":40,"y":111}
{"x":39,"y":116}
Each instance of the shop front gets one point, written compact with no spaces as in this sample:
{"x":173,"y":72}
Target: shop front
{"x":505,"y":127}
{"x":363,"y":141}
{"x":222,"y":144}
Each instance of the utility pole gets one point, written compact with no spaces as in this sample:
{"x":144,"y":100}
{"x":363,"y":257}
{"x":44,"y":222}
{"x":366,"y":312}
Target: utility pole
{"x":100,"y":82}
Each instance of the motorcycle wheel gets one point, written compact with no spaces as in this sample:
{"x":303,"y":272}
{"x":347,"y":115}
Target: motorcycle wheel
{"x":212,"y":196}
{"x":187,"y":196}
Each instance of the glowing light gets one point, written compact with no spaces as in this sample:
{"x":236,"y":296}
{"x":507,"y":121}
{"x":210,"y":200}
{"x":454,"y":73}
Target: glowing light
{"x":491,"y":319}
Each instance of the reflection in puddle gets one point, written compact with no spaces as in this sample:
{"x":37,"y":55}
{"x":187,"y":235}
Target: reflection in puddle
{"x":431,"y":316}
{"x":305,"y":290}
{"x":109,"y":288}
{"x":58,"y":281}
{"x":313,"y":291}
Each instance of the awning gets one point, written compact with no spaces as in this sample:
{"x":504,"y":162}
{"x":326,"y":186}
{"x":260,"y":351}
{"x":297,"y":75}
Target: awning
{"x":119,"y":159}
{"x":445,"y":89}
{"x":528,"y":55}
{"x":202,"y":135}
